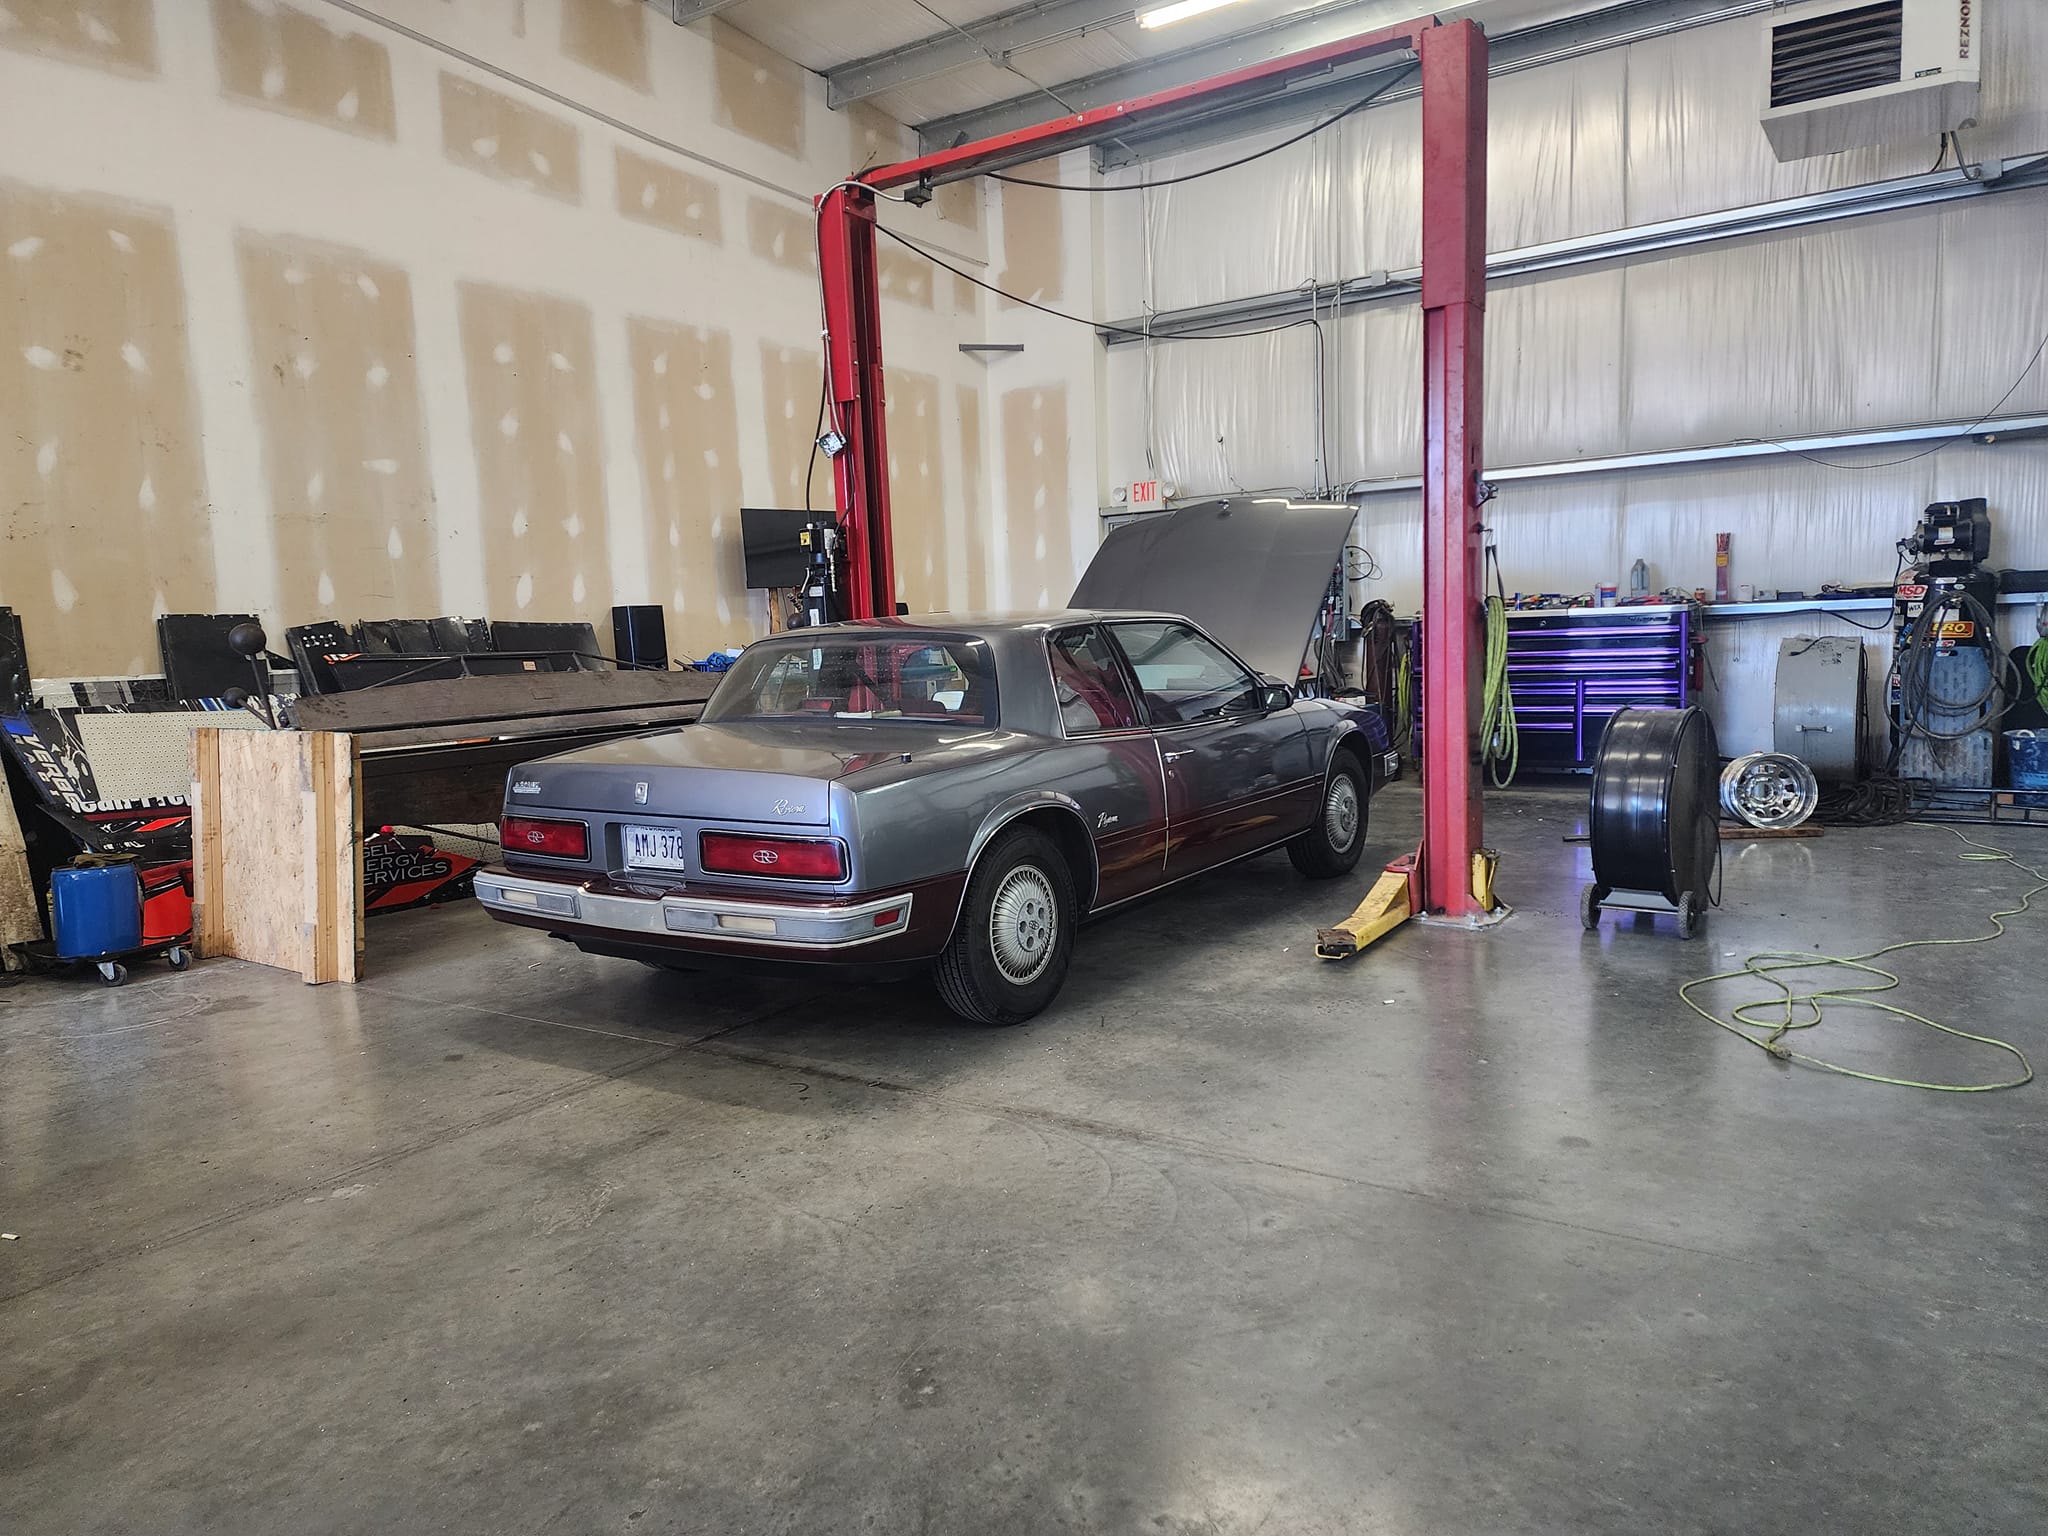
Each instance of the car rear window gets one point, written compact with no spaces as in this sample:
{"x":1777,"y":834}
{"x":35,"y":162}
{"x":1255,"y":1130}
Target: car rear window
{"x":841,"y":678}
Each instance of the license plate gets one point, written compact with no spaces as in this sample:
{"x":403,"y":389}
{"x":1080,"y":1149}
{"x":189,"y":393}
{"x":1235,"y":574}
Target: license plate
{"x":655,"y":847}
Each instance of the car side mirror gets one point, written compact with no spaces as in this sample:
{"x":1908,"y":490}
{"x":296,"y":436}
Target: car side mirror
{"x":1274,"y":697}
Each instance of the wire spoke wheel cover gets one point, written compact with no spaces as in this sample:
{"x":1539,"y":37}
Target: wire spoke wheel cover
{"x":1769,"y":790}
{"x":1340,"y":812}
{"x":1023,"y":924}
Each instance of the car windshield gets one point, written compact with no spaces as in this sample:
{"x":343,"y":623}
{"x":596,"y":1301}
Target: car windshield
{"x":838,"y":677}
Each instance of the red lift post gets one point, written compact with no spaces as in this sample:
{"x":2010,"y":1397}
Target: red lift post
{"x":1453,"y":61}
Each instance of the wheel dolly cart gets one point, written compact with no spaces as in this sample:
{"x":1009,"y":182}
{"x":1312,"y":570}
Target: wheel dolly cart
{"x":99,"y":918}
{"x":40,"y":958}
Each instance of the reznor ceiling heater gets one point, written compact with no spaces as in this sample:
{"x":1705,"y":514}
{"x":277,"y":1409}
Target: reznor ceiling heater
{"x":1848,"y":73}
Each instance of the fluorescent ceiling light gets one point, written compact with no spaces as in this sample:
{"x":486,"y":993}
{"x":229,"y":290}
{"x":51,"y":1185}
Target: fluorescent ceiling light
{"x":1180,"y":10}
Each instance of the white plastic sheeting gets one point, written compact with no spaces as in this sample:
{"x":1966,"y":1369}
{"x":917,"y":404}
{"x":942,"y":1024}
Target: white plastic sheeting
{"x":1661,"y":129}
{"x":1900,"y":318}
{"x":1794,"y":526}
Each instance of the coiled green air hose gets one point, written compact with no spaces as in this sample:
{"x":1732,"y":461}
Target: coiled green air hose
{"x":1501,"y":740}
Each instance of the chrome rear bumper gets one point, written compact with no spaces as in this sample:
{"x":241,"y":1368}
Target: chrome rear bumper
{"x":799,"y":924}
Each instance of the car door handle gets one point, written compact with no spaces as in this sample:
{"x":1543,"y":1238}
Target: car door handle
{"x":1174,"y":757}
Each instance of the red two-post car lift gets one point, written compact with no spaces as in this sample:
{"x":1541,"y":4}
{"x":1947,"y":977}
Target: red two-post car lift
{"x":1453,"y":71}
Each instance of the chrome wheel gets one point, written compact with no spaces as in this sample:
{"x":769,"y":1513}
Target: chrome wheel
{"x":1340,"y":812}
{"x":1023,"y":924}
{"x":1769,"y":790}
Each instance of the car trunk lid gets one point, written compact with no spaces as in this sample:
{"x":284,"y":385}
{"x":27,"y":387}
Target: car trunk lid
{"x":764,"y":772}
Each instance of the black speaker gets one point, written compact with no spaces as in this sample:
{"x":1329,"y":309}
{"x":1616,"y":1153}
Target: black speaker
{"x":640,"y":637}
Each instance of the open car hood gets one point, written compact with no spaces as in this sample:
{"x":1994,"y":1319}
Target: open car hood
{"x":1251,"y":570}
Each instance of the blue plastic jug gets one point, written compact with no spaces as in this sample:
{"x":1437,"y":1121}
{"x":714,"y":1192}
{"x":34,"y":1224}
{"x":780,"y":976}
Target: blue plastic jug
{"x":96,"y":910}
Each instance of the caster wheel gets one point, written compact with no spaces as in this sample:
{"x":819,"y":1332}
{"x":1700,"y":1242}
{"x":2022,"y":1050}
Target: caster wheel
{"x":179,"y":959}
{"x":1689,"y":916}
{"x":1589,"y":907}
{"x":113,"y":973}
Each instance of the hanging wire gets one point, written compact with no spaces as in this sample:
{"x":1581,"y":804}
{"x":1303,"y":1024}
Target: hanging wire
{"x":1229,"y":165}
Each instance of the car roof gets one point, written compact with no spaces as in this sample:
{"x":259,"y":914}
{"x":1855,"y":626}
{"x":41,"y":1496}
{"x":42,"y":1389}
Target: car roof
{"x":992,"y":624}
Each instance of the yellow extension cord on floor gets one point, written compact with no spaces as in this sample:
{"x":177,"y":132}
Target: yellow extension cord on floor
{"x":1768,"y":1034}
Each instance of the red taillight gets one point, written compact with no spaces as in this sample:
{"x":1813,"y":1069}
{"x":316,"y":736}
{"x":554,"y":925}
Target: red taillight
{"x":786,"y":858}
{"x":556,"y":839}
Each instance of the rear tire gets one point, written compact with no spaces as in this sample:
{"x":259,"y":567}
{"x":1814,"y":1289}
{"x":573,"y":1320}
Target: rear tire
{"x":1008,"y":955}
{"x":1332,"y":844}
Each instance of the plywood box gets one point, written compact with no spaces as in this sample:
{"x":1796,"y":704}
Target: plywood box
{"x":276,"y":856}
{"x":20,"y":922}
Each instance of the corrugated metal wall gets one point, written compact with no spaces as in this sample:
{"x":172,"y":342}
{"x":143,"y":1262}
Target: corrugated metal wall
{"x":1908,"y":317}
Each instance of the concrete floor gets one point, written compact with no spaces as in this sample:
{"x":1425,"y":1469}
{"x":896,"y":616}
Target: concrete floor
{"x":1477,"y":1234}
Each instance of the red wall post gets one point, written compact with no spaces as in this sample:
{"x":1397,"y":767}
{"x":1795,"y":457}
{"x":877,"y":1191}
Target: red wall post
{"x":1453,"y":333}
{"x":853,"y":372}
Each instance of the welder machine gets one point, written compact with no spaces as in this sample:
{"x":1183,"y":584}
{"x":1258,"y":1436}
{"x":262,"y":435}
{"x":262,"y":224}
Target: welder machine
{"x":1950,"y":680}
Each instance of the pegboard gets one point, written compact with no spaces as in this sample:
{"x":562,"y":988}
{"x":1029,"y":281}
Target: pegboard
{"x":148,"y":754}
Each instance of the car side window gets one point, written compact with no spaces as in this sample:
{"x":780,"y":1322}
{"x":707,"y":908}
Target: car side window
{"x":1184,"y":675}
{"x":1092,"y":691}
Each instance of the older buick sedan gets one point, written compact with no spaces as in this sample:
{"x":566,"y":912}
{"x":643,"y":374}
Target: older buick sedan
{"x":951,"y":795}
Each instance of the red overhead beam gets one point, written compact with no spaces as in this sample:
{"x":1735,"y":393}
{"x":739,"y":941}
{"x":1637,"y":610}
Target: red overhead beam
{"x":1061,"y":133}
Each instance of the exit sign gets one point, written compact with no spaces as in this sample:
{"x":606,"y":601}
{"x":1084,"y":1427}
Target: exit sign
{"x":1144,"y":491}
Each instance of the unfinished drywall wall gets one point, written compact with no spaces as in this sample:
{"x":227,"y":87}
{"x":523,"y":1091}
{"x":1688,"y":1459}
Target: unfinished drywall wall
{"x":875,"y":138}
{"x":904,"y":276}
{"x":917,"y":491}
{"x":608,"y":35}
{"x":1044,"y":462}
{"x":782,"y":236}
{"x":501,"y":136}
{"x":344,"y":445}
{"x":790,"y":382}
{"x":959,"y":202}
{"x":1039,"y":541}
{"x":973,"y":504}
{"x":103,"y":508}
{"x":113,"y":34}
{"x":756,"y":91}
{"x":291,"y":61}
{"x":687,"y":425}
{"x":667,"y":196}
{"x":1034,"y":233}
{"x":320,"y":283}
{"x":530,"y":361}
